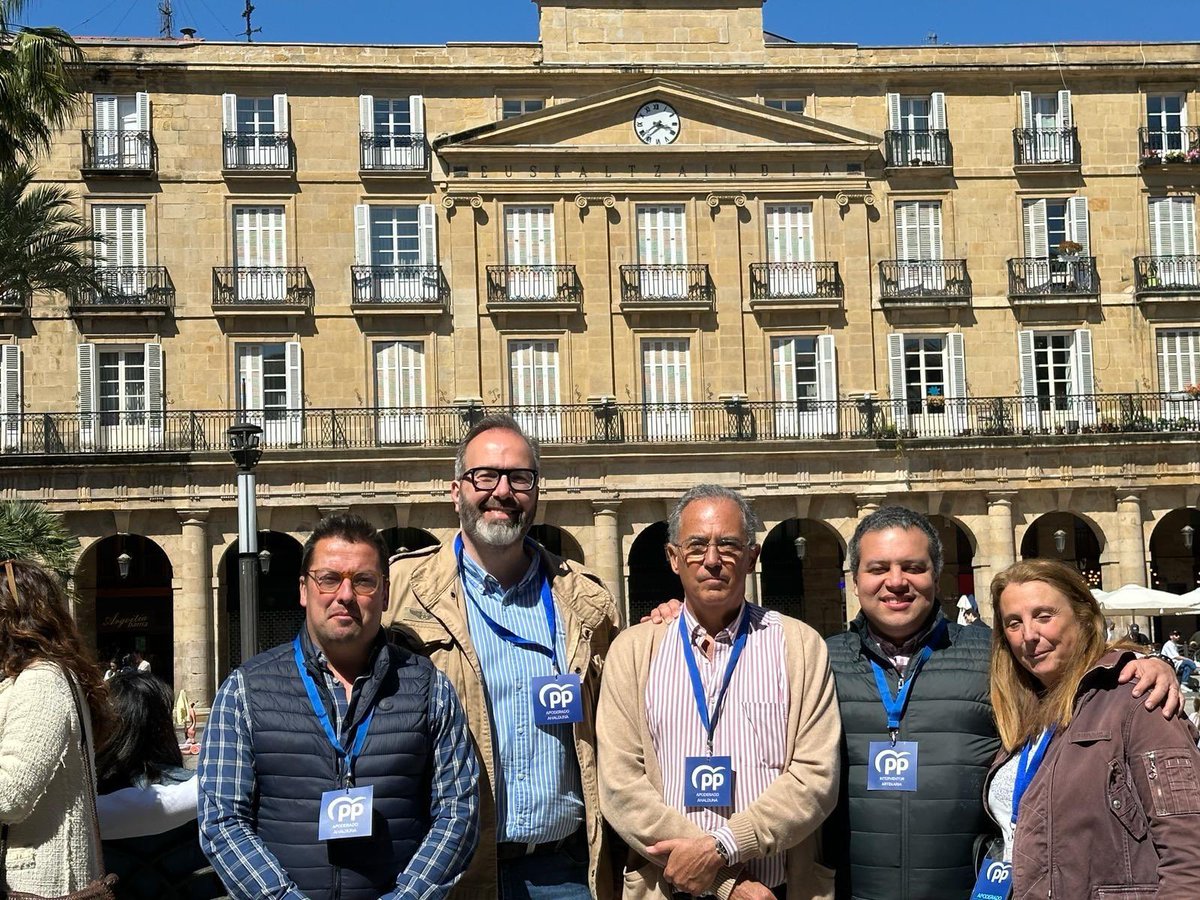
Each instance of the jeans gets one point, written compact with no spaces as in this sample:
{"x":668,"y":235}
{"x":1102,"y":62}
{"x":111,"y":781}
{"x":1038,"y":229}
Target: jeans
{"x":562,"y":875}
{"x":1186,"y":668}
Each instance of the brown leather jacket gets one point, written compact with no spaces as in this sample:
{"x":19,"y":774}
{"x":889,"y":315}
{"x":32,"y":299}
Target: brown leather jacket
{"x":1114,"y":810}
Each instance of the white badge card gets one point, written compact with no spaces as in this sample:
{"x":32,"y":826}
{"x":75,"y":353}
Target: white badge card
{"x":892,"y":768}
{"x":345,"y":813}
{"x":708,"y":781}
{"x":994,"y":882}
{"x":557,"y":699}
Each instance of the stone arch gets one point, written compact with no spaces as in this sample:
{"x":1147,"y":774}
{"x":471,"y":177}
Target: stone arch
{"x":1083,"y":543}
{"x":279,"y":612}
{"x":958,"y":569}
{"x":651,"y":579}
{"x":558,"y":541}
{"x":407,"y":537}
{"x":808,"y":587}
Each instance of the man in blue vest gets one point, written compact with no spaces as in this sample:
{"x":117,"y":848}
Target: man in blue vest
{"x":338,"y":766}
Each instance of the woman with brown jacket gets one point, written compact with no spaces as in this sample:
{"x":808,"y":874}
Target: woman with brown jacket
{"x":1095,"y":796}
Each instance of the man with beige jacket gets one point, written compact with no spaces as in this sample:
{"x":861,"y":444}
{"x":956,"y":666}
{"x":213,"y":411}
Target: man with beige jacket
{"x":718,"y":732}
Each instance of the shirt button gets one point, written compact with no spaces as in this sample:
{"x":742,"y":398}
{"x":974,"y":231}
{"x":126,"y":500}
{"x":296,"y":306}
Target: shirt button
{"x":521,"y":777}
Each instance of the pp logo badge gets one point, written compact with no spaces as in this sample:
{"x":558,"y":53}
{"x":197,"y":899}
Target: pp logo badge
{"x":892,"y":768}
{"x":346,"y":813}
{"x":994,"y":882}
{"x":557,"y":699}
{"x":708,"y":781}
{"x":998,"y":873}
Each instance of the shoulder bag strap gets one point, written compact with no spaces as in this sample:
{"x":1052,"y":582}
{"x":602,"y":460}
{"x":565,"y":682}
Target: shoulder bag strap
{"x":88,"y":772}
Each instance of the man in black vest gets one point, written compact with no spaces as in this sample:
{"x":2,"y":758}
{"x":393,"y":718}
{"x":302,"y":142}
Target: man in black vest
{"x":337,"y":766}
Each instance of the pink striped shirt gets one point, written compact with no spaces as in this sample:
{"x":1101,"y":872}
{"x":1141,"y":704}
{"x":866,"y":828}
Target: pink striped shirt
{"x":752,"y":728}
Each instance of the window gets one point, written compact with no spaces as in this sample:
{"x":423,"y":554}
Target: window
{"x":662,"y":251}
{"x":269,"y":389}
{"x":395,"y":251}
{"x":533,"y":386}
{"x":928,"y":381}
{"x":529,"y":242}
{"x":395,"y":237}
{"x":1057,"y":379}
{"x":917,"y":123}
{"x":919,"y":245}
{"x":1051,"y":228}
{"x":393,"y":132}
{"x":122,"y":253}
{"x":805,"y":377}
{"x":259,"y":253}
{"x":10,"y":397}
{"x":400,"y":391}
{"x":667,"y":388}
{"x":510,"y":109}
{"x":120,"y":395}
{"x":791,"y":105}
{"x":256,"y":131}
{"x":1172,"y":226}
{"x":1178,"y":359}
{"x":122,"y":131}
{"x":789,"y":246}
{"x":1166,"y":123}
{"x":1048,"y":128}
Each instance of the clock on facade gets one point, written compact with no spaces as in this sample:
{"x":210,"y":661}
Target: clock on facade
{"x":656,"y":123}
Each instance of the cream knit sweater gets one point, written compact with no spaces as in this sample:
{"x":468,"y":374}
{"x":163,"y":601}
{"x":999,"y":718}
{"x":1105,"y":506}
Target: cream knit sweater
{"x":43,"y":789}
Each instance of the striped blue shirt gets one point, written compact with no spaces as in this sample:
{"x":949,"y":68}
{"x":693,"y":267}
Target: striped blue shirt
{"x":539,"y":795}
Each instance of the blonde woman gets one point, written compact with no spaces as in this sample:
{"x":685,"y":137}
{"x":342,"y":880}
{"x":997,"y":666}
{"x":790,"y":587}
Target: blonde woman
{"x":1095,"y":796}
{"x":47,"y":792}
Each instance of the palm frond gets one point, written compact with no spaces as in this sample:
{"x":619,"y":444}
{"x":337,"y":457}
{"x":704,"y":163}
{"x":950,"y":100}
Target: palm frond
{"x":31,"y":531}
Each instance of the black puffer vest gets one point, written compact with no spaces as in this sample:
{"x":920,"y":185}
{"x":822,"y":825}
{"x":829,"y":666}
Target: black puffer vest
{"x":294,"y":763}
{"x":899,"y":845}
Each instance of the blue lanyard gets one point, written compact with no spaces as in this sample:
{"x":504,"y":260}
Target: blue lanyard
{"x":894,"y":705}
{"x":512,"y":637}
{"x":360,"y":736}
{"x":739,"y":644}
{"x":1028,"y":764}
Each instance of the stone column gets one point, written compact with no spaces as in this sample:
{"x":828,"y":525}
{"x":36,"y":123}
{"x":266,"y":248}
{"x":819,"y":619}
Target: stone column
{"x":607,"y":558}
{"x":193,"y":622}
{"x":1131,"y":542}
{"x":1001,"y":549}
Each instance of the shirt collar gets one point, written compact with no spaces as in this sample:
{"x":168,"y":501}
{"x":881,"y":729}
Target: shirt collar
{"x":725,"y":636}
{"x":479,"y":575}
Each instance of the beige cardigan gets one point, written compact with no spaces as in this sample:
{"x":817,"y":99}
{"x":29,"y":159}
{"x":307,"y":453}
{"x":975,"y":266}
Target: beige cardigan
{"x":44,"y":786}
{"x":786,"y":816}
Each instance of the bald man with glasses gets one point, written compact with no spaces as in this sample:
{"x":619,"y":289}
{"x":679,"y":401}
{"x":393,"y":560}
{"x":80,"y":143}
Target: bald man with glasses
{"x":522,"y":635}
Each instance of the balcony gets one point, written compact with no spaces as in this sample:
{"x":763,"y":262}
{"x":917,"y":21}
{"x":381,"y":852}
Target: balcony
{"x":908,"y":149}
{"x":262,"y":289}
{"x":1045,"y":148}
{"x":782,"y":284}
{"x":971,"y":420}
{"x":1169,"y":148}
{"x":127,"y":290}
{"x":924,"y":282}
{"x":534,"y":288}
{"x":669,"y":287}
{"x":399,"y":289}
{"x":383,"y":154}
{"x":1164,"y":276}
{"x":118,"y":153}
{"x":1035,"y":280}
{"x":257,"y":153}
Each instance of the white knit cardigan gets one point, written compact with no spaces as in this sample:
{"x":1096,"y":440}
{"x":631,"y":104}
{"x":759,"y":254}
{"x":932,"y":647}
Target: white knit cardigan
{"x":52,"y":847}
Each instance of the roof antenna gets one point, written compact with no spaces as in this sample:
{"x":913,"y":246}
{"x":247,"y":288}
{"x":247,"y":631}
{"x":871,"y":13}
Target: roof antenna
{"x":931,"y":38}
{"x":249,"y":32}
{"x":166,"y":19}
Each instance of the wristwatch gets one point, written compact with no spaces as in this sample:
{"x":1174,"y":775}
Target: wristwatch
{"x":723,"y":851}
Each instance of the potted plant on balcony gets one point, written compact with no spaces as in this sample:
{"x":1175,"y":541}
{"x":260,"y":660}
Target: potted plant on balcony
{"x":1192,"y":391}
{"x":1070,"y":250}
{"x":934,"y":401}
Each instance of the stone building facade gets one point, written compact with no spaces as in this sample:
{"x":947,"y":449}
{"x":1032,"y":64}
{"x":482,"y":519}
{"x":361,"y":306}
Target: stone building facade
{"x":680,"y":249}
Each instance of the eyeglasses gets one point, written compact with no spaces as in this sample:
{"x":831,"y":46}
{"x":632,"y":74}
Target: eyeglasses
{"x":364,"y":584}
{"x":730,"y":550}
{"x":485,"y":478}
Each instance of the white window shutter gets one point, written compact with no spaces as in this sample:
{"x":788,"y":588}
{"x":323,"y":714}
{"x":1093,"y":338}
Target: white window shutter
{"x":10,"y":397}
{"x":1084,"y":376}
{"x":1168,"y":362}
{"x":893,"y":111}
{"x":229,"y":112}
{"x":937,"y":111}
{"x":89,"y":394}
{"x":1183,"y":225}
{"x":1037,"y":240}
{"x":416,"y":114}
{"x":1026,"y":109}
{"x":934,"y":232}
{"x":281,"y":114}
{"x":1077,"y":223}
{"x":1028,"y":378}
{"x":427,"y":234}
{"x":295,"y":391}
{"x":956,"y":382}
{"x":366,"y":113}
{"x":104,"y":223}
{"x":827,"y":387}
{"x":896,"y":385}
{"x":143,"y":110}
{"x":104,"y":109}
{"x":1065,"y":119}
{"x":362,"y":235}
{"x":155,"y":401}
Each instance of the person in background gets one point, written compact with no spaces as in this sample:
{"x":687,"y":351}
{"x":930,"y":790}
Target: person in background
{"x":51,"y":698}
{"x":1135,"y":636}
{"x":1094,"y":795}
{"x":971,"y":617}
{"x":1110,"y":631}
{"x":1185,"y":667}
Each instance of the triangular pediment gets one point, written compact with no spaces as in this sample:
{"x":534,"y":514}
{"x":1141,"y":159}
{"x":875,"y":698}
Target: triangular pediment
{"x":709,"y":122}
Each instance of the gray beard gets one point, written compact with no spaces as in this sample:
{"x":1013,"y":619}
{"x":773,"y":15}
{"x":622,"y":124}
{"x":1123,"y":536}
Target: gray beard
{"x":498,"y":534}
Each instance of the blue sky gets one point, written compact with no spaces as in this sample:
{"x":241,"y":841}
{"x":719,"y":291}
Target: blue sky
{"x":437,"y":21}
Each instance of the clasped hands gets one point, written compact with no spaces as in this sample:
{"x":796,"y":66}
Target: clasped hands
{"x":692,"y":865}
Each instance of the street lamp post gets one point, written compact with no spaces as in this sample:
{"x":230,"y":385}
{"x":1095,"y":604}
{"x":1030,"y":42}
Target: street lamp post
{"x":244,"y":448}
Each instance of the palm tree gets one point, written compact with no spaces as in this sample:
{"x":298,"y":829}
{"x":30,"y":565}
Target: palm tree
{"x":31,"y":531}
{"x":38,"y":93}
{"x":44,"y":243}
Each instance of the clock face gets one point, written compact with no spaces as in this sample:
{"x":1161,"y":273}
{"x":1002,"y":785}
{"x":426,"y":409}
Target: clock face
{"x":656,"y":123}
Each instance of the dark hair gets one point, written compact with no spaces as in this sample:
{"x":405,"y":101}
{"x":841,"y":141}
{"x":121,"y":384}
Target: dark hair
{"x":143,"y":741}
{"x":36,"y":626}
{"x":750,"y":520}
{"x":896,"y":517}
{"x":494,"y":422}
{"x":350,"y":528}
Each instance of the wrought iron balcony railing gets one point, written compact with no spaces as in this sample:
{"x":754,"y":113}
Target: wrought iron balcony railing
{"x":248,"y":287}
{"x":269,"y":151}
{"x":795,"y":281}
{"x":127,"y":289}
{"x":934,"y":280}
{"x":1045,"y":146}
{"x":1157,"y":146}
{"x":818,"y":422}
{"x":118,"y":152}
{"x":13,"y":303}
{"x":686,"y":283}
{"x":392,"y":152}
{"x":903,"y":149}
{"x":1039,"y":279}
{"x":1166,"y":275}
{"x":385,"y":286}
{"x":534,"y":284}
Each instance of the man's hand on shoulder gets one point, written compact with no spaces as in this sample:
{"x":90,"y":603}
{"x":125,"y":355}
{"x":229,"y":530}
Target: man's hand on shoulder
{"x":1156,"y":679}
{"x":689,"y":864}
{"x":664,"y":612}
